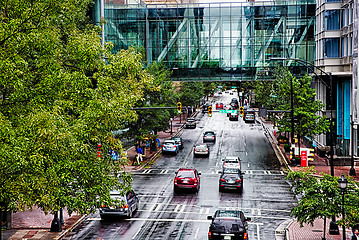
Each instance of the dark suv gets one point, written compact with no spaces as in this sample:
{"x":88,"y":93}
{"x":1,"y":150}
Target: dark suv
{"x":205,"y":107}
{"x":231,"y":178}
{"x":228,"y":224}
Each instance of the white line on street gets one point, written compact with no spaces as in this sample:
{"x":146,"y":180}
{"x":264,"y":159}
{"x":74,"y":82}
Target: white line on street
{"x":201,"y":211}
{"x":196,"y":235}
{"x":207,"y":211}
{"x":134,"y":236}
{"x":258,"y":232}
{"x":259,"y":212}
{"x":158,"y":207}
{"x":183,"y":207}
{"x":152,"y":207}
{"x":176,"y":209}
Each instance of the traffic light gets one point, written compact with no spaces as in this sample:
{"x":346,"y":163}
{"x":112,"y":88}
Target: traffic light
{"x":241,"y":111}
{"x":179,"y":107}
{"x":210,"y":111}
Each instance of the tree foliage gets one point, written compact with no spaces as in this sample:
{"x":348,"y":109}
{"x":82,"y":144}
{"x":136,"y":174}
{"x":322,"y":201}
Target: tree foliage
{"x":307,"y":120}
{"x":320,"y":197}
{"x":59,"y":99}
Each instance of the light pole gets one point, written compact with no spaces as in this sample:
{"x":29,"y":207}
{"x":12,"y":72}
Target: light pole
{"x":343,"y":183}
{"x":352,"y":169}
{"x":171,"y":119}
{"x":333,"y":229}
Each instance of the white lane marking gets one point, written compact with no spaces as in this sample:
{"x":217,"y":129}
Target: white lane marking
{"x":246,"y":153}
{"x":152,"y":207}
{"x":281,"y":172}
{"x":196,"y":234}
{"x":158,"y":207}
{"x":134,"y":236}
{"x":259,"y":212}
{"x":186,"y":163}
{"x":253,"y":211}
{"x":201,"y":211}
{"x":248,"y":165}
{"x":207,"y":211}
{"x":258,"y":232}
{"x":183,"y":207}
{"x":177,"y":208}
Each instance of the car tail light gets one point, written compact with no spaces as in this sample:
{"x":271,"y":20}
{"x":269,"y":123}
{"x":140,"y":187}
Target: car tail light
{"x":207,"y":150}
{"x":209,"y":234}
{"x":195,"y":180}
{"x":104,"y":206}
{"x":163,"y":145}
{"x":245,"y":236}
{"x":239,"y":180}
{"x":124,"y":206}
{"x":194,"y":149}
{"x":222,"y":180}
{"x":175,"y":180}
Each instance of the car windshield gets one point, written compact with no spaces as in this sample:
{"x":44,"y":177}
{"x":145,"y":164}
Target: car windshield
{"x":230,"y":170}
{"x":190,"y":120}
{"x":185,"y":174}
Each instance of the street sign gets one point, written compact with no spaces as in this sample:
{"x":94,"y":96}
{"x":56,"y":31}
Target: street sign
{"x":227,"y":111}
{"x":304,"y":159}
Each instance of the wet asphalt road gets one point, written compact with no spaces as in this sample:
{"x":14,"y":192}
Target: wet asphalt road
{"x":164,"y":215}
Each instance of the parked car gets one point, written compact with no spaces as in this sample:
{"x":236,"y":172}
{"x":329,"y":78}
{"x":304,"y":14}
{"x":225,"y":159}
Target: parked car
{"x":219,"y":105}
{"x":170,"y":146}
{"x":187,"y":178}
{"x":178,"y":141}
{"x":126,"y":205}
{"x":190,"y":123}
{"x":209,"y":136}
{"x":228,"y":224}
{"x":231,"y":178}
{"x":201,"y":149}
{"x":233,"y":116}
{"x":231,"y":162}
{"x":205,"y":107}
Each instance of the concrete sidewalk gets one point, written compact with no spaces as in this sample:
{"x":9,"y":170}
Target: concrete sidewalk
{"x":35,"y":224}
{"x":293,"y":231}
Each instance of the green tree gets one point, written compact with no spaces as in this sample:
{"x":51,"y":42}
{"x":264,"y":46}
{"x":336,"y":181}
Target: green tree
{"x":161,"y":94}
{"x":58,"y":100}
{"x":320,"y":197}
{"x":308,"y":122}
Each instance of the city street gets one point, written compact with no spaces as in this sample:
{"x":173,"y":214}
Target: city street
{"x":164,"y":215}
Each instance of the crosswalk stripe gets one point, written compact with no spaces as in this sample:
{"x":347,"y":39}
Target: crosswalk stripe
{"x":183,"y":207}
{"x":158,"y":207}
{"x":177,"y":207}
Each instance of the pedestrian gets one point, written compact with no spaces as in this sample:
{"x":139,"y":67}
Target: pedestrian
{"x":139,"y":153}
{"x":355,"y":235}
{"x":114,"y":155}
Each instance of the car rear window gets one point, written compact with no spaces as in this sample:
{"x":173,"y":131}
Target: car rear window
{"x":169,"y":143}
{"x":231,"y":170}
{"x":209,"y":133}
{"x":185,"y":174}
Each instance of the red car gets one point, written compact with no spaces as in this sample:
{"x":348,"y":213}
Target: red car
{"x":187,"y":178}
{"x":219,"y":105}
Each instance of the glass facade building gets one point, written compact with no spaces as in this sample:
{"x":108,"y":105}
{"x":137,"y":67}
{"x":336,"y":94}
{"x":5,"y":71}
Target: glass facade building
{"x":216,"y":41}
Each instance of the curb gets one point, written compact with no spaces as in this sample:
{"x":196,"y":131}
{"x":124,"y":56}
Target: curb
{"x":71,"y":227}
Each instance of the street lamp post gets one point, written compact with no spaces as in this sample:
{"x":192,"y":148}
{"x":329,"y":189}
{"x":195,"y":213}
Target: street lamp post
{"x":333,"y":227}
{"x":343,"y":183}
{"x":352,"y":169}
{"x":293,"y":162}
{"x":171,"y":119}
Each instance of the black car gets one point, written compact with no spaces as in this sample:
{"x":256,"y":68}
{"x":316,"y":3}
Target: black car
{"x":233,"y":116}
{"x":209,"y":136}
{"x":205,"y":107}
{"x":228,"y":224}
{"x":190,"y":123}
{"x":231,"y":178}
{"x":178,"y":141}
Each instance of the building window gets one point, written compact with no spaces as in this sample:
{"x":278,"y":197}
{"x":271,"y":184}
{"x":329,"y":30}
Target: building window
{"x":331,"y":47}
{"x":331,"y":21}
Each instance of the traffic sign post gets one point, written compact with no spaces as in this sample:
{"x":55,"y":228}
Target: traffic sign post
{"x":304,"y":159}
